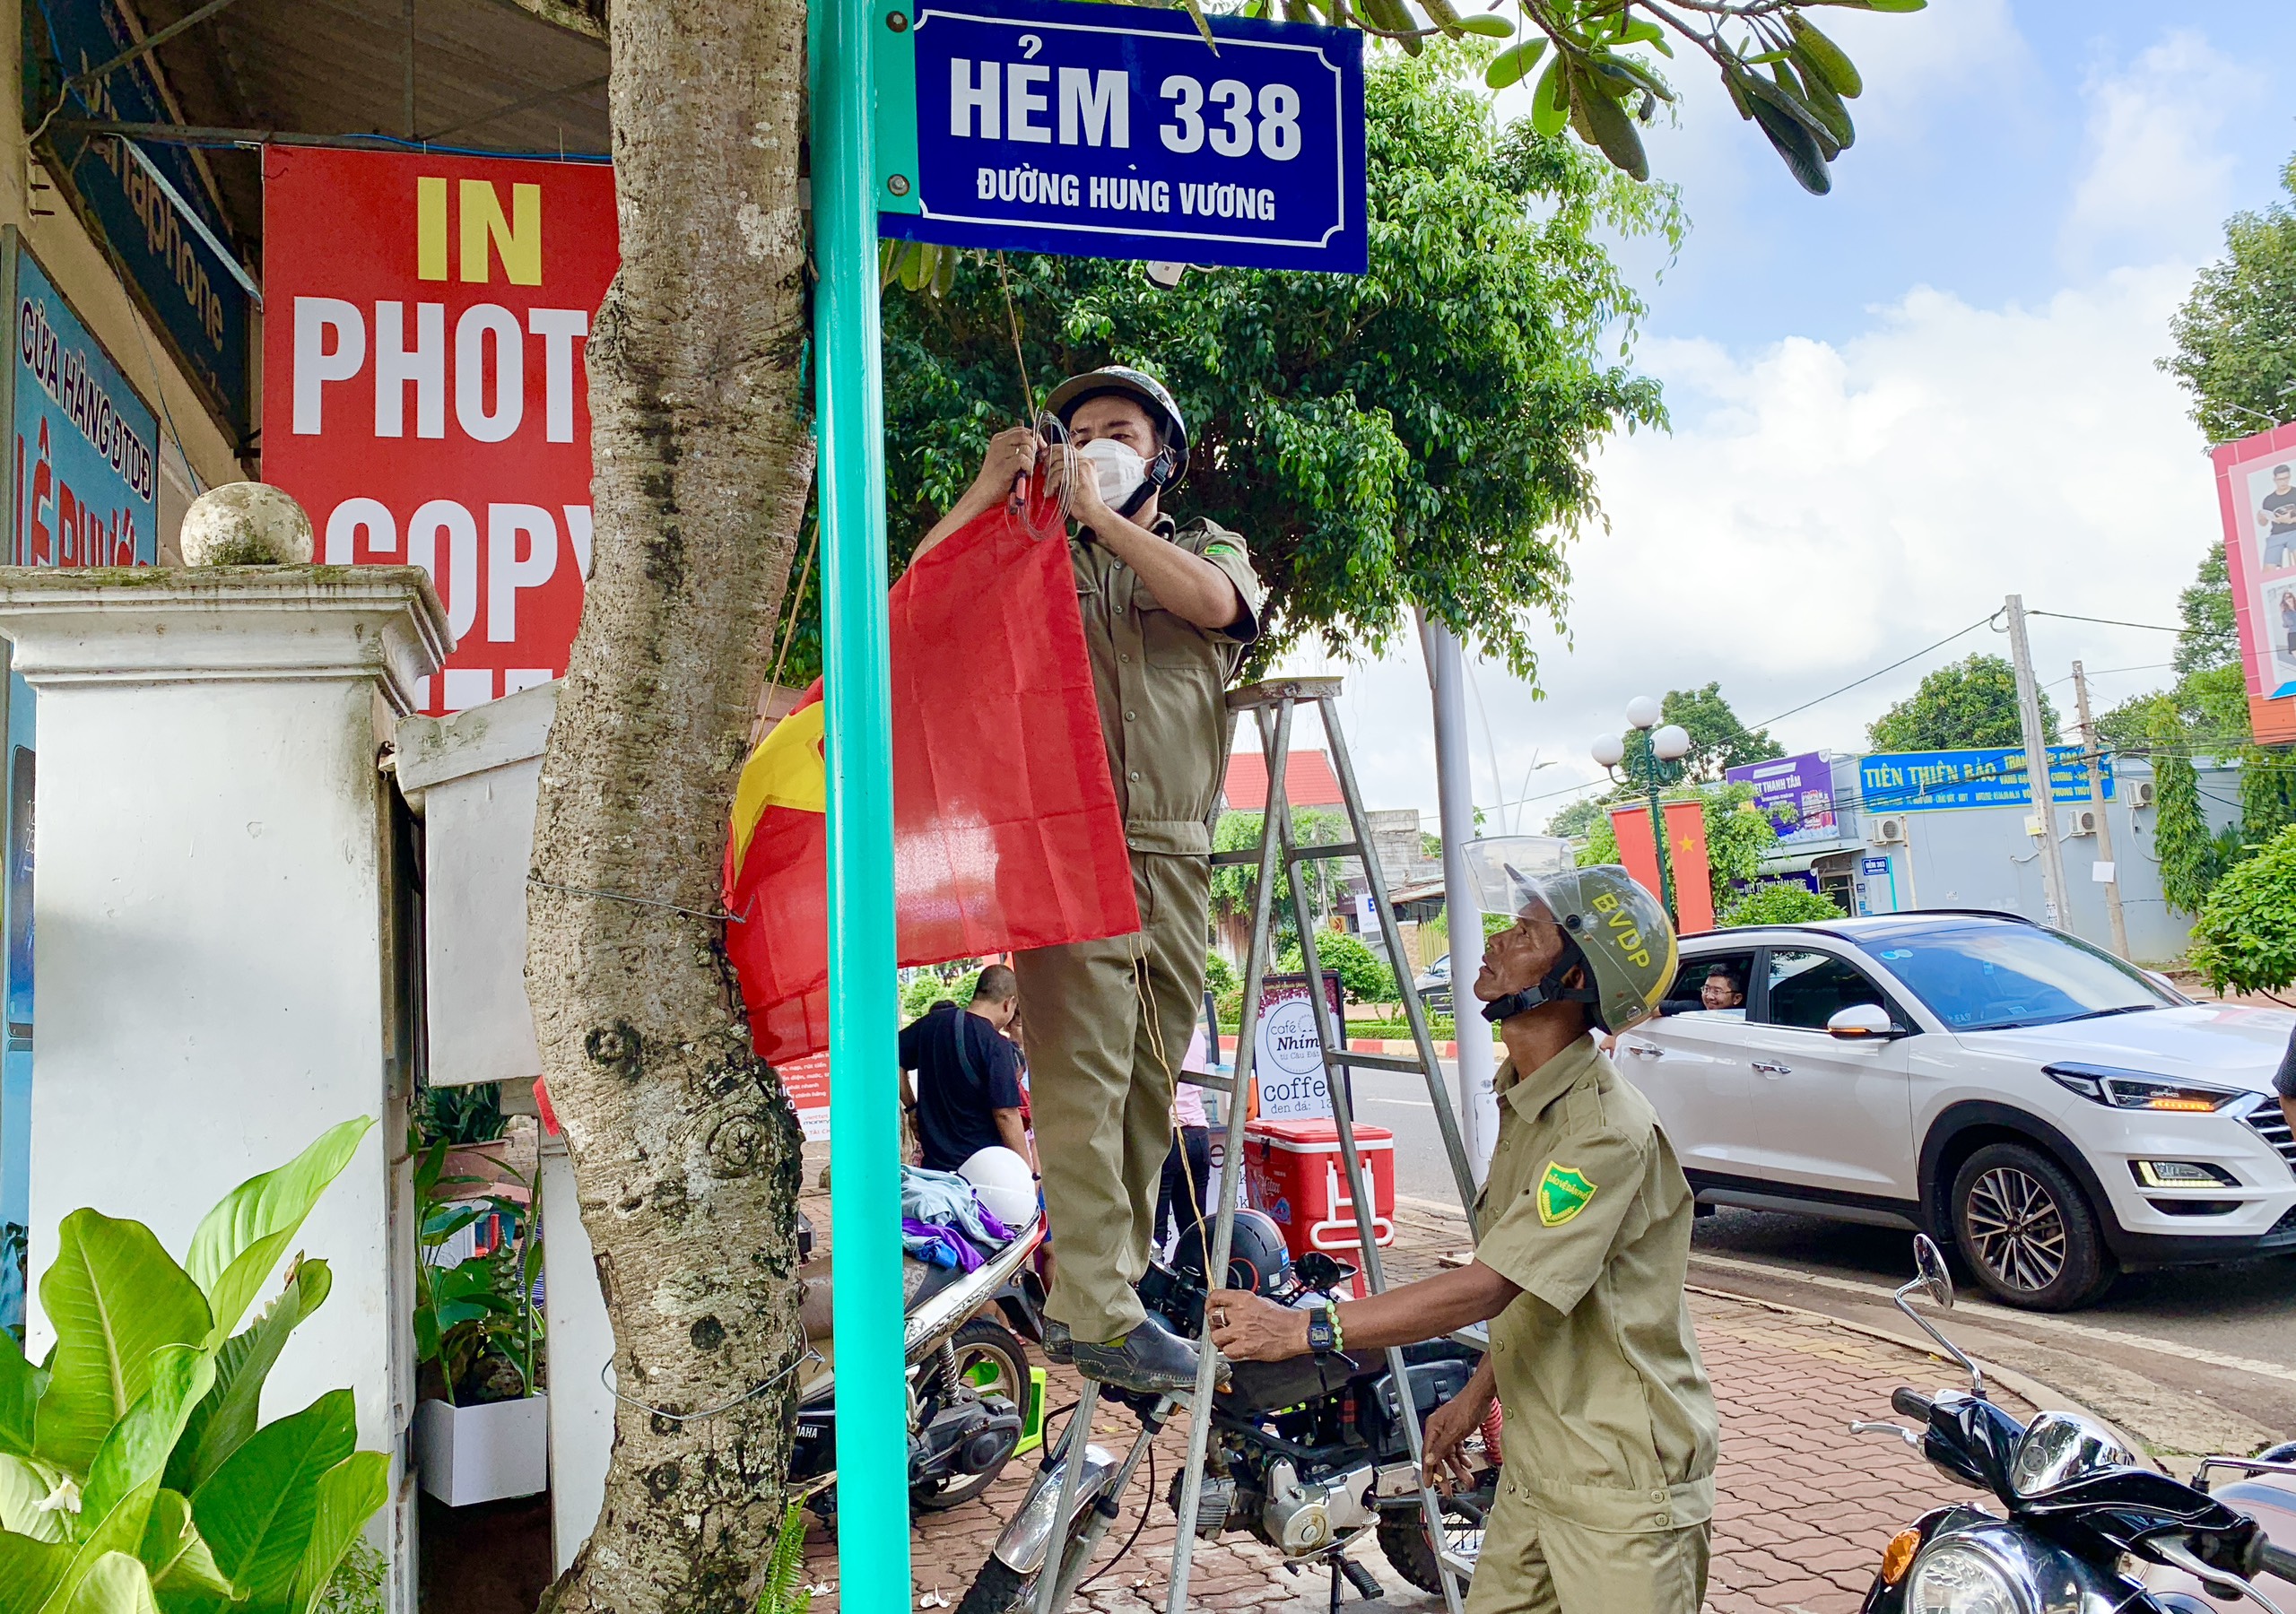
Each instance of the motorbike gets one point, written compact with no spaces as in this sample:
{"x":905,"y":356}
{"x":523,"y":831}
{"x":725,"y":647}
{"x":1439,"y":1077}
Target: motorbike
{"x":1307,"y":1456}
{"x":969,"y":1387}
{"x":2085,"y":1527}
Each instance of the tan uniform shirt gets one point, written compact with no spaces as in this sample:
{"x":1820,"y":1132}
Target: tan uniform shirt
{"x":1161,"y":682}
{"x":1610,"y":1420}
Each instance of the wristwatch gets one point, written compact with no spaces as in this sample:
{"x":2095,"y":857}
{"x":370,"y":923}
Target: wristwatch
{"x":1323,"y":1335}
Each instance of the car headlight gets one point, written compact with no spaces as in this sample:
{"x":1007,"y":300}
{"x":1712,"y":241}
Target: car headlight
{"x":1954,"y":1578}
{"x":2139,"y":1089}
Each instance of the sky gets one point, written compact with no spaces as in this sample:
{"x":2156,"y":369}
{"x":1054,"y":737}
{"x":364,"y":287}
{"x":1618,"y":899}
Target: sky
{"x":1895,"y":404}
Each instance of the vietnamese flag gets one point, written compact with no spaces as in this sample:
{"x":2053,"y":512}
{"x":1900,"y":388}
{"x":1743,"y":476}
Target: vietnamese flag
{"x":1005,"y":828}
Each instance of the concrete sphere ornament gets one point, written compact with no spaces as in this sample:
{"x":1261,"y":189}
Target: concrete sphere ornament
{"x":246,"y":524}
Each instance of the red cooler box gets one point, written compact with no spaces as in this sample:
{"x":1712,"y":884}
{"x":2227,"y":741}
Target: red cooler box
{"x":1292,"y":1171}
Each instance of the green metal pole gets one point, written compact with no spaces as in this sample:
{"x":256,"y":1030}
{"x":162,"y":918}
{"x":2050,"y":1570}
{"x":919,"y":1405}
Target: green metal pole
{"x":864,"y":1126}
{"x":1649,"y":770}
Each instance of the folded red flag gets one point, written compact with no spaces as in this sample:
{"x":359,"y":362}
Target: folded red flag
{"x":1006,"y":829}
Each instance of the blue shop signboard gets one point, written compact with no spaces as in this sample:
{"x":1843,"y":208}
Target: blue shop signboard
{"x":1988,"y":777}
{"x":1119,"y":132}
{"x":83,"y":463}
{"x":190,"y":288}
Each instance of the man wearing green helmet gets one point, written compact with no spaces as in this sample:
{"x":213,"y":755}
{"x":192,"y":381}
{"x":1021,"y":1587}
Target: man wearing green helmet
{"x":1606,"y":1493}
{"x":1168,"y":612}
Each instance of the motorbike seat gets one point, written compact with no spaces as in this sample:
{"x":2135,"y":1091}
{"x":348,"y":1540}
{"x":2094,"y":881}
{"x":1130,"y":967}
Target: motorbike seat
{"x":920,"y":1283}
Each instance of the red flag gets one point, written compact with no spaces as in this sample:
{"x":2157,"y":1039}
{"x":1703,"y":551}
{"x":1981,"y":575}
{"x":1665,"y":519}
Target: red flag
{"x":1005,"y":828}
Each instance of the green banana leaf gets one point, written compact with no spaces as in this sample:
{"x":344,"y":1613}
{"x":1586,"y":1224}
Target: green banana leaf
{"x":21,"y":1384}
{"x":227,"y":1416}
{"x":114,"y":1297}
{"x":27,"y":1491}
{"x":135,"y":1452}
{"x":241,"y":1239}
{"x":30,"y":1572}
{"x":115,"y":1583}
{"x":257,"y":1510}
{"x":348,"y":1493}
{"x":181,"y":1566}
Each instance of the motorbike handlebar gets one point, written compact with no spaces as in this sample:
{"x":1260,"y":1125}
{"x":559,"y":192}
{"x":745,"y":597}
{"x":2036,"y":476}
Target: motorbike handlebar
{"x":2277,"y":1561}
{"x":1909,"y":1402}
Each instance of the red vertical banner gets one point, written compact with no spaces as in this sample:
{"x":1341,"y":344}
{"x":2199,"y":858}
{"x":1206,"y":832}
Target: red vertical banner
{"x":1686,"y":856}
{"x":425,"y":393}
{"x":1686,"y":859}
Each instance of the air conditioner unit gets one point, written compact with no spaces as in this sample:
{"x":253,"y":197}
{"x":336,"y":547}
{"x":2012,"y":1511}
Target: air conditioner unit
{"x":2140,"y":793}
{"x":2080,"y":821}
{"x":1888,"y":831}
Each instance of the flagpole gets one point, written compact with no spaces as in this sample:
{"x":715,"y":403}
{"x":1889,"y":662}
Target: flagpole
{"x":865,"y":1126}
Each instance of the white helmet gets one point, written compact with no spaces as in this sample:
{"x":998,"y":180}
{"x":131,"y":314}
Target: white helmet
{"x":1004,"y":1185}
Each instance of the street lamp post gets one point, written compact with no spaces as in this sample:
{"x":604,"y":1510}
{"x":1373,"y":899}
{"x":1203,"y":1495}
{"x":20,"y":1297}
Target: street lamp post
{"x":1651,"y":759}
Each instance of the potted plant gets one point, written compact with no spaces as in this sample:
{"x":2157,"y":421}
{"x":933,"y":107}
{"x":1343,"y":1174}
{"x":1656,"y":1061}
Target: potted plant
{"x":482,"y":1431}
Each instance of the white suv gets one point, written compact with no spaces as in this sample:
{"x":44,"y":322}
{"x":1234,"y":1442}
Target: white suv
{"x":2058,"y":1114}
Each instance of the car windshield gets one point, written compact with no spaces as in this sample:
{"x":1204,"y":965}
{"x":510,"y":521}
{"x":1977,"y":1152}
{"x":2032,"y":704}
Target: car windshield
{"x":1992,"y":978}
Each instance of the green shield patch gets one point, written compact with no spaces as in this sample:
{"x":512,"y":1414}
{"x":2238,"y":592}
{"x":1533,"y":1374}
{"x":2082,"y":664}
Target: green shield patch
{"x":1563,"y":1193}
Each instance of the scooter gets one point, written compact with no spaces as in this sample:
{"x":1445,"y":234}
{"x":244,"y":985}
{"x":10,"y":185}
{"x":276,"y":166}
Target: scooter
{"x":2089,"y":1530}
{"x":972,"y":1396}
{"x":1307,"y":1456}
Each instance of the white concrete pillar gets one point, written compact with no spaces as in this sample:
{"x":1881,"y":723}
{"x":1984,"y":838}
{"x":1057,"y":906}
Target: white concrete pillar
{"x":222,"y":970}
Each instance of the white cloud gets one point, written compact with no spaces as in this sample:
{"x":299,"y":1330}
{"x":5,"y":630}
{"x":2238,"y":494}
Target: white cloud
{"x":2156,"y":183}
{"x":1820,"y":511}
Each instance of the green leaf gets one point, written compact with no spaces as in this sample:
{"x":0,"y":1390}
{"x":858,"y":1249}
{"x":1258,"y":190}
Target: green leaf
{"x":255,"y":1513}
{"x":1788,"y":134}
{"x":1875,"y":5}
{"x":242,"y":1239}
{"x":29,"y":1499}
{"x":1614,"y":131}
{"x":21,"y":1384}
{"x":1509,"y":66}
{"x":1830,"y":61}
{"x":349,"y":1494}
{"x":1831,"y":110}
{"x":1489,"y":26}
{"x":227,"y":1416}
{"x":30,"y":1572}
{"x":135,"y":1452}
{"x":1551,"y":100}
{"x":115,"y":1583}
{"x":173,"y":1552}
{"x":114,"y":1296}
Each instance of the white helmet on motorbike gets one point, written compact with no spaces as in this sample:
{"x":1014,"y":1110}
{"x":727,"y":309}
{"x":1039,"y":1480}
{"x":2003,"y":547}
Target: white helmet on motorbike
{"x":1004,"y":1185}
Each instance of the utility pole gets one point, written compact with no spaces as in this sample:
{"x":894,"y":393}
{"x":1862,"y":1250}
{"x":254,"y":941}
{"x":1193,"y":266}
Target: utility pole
{"x":2093,"y":757}
{"x":1462,"y":906}
{"x":2028,"y":712}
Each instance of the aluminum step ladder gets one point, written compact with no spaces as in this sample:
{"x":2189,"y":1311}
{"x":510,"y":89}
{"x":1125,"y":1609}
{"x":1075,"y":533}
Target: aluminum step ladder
{"x":1272,"y":705}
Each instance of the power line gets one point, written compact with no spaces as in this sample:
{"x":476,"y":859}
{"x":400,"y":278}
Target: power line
{"x":2063,"y":616}
{"x":1870,"y":677}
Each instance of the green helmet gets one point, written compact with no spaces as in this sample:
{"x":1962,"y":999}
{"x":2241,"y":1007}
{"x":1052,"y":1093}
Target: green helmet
{"x":1612,"y":924}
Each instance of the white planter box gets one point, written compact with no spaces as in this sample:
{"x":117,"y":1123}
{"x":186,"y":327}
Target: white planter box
{"x":467,"y":1454}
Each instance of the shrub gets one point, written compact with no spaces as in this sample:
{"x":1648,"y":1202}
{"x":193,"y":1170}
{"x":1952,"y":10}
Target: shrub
{"x":1364,"y":976}
{"x":1219,"y":975}
{"x":132,"y":1473}
{"x":1780,"y":902}
{"x":2245,"y":937}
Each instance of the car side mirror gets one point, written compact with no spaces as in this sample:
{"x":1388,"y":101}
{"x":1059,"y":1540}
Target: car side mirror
{"x":1861,"y":1020}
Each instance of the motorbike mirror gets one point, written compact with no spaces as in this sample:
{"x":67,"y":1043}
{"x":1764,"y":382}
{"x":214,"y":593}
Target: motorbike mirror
{"x":1936,"y":1281}
{"x":1319,"y":1271}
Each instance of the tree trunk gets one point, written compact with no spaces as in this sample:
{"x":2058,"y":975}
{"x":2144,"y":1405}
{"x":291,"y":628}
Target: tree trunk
{"x":685,"y":1153}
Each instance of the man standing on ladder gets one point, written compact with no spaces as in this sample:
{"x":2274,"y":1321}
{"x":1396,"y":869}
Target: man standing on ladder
{"x":1607,"y":1489}
{"x":1167,"y":614}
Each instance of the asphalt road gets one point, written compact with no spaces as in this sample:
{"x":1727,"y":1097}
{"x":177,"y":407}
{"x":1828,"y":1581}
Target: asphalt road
{"x":2192,"y":1360}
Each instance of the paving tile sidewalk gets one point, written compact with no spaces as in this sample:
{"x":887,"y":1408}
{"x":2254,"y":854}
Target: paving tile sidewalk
{"x":1803,"y":1510}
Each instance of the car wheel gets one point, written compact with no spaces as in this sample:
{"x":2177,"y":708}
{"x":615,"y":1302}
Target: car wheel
{"x":2027,"y":1230}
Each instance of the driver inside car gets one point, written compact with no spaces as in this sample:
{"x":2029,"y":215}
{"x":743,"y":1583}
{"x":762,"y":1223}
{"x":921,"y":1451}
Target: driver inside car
{"x":1606,"y":1496}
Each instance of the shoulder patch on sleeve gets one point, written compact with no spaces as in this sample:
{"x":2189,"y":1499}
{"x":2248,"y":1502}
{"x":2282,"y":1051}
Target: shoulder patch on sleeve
{"x":1562,"y":1192}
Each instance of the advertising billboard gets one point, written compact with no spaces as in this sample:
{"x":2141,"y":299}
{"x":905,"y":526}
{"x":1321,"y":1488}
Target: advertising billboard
{"x":1984,"y":776}
{"x":1288,"y":1058}
{"x":86,"y":446}
{"x":424,"y":393}
{"x":2255,"y":487}
{"x":1796,"y":792}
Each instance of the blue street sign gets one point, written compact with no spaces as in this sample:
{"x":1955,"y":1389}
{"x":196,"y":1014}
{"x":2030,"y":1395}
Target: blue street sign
{"x":1115,"y":131}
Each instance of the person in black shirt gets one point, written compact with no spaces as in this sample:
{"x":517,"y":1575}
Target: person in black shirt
{"x":2277,"y":514}
{"x":967,"y":1076}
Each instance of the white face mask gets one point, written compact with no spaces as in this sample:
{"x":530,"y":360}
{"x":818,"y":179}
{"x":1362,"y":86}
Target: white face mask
{"x":1118,"y":469}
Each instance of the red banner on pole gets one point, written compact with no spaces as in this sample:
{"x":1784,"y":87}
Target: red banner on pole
{"x":1685,"y":859}
{"x":423,"y":388}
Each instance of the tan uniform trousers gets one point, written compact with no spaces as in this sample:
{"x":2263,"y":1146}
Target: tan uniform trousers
{"x":1108,"y":1025}
{"x":1533,"y":1562}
